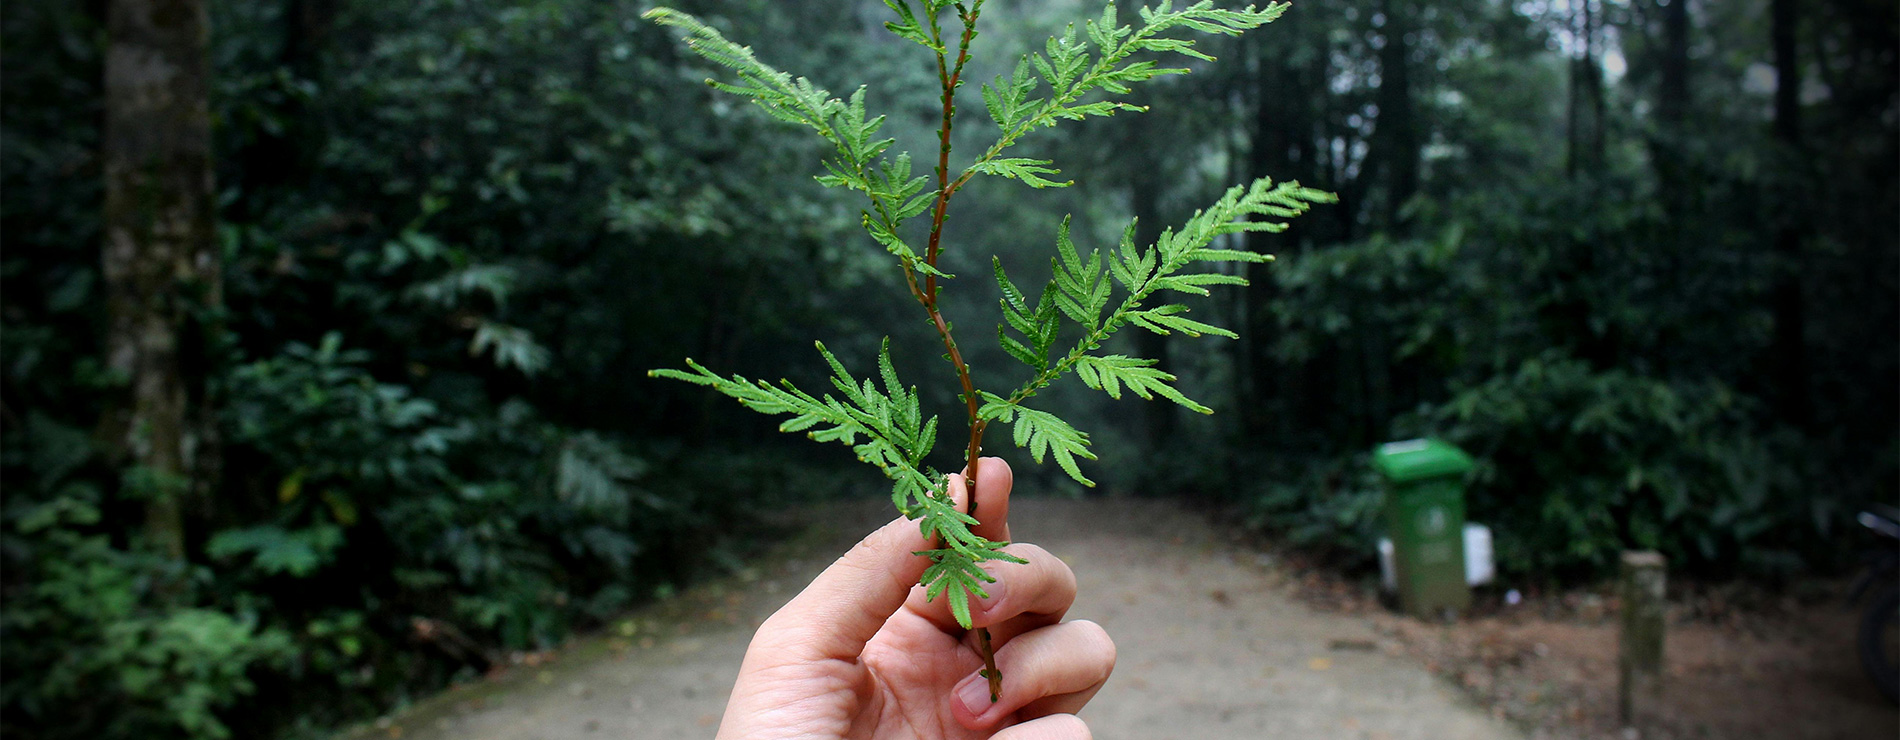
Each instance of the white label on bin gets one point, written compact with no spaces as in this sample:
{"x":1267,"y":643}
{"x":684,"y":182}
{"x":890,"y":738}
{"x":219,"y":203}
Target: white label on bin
{"x":1431,"y":521}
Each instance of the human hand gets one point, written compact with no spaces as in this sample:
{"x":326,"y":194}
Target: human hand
{"x":861,"y":653}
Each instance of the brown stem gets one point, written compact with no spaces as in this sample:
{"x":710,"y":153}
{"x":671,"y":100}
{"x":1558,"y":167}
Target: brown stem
{"x":950,"y":77}
{"x":989,"y":663}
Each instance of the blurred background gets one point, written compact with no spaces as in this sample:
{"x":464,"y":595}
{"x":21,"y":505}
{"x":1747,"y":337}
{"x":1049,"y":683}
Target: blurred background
{"x":326,"y":323}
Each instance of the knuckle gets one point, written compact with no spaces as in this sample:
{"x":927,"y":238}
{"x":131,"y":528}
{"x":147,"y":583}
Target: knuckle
{"x":1051,"y":568}
{"x":1096,"y":642}
{"x":1071,"y":727}
{"x":773,"y":635}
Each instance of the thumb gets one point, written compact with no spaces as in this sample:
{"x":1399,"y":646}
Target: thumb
{"x":846,"y":605}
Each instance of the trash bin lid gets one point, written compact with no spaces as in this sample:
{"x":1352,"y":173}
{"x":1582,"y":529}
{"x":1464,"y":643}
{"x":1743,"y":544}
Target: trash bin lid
{"x":1416,"y":459}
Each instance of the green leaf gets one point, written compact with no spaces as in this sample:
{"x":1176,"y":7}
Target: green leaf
{"x":883,"y":234}
{"x":1228,"y":255}
{"x":777,"y":93}
{"x":1160,"y":320}
{"x":1192,"y":283}
{"x":1080,"y":61}
{"x":275,"y":550}
{"x":1030,"y":171}
{"x":906,"y":26}
{"x":1083,"y":291}
{"x":1012,"y":297}
{"x":1042,"y":433}
{"x":1135,"y":264}
{"x":1108,"y":373}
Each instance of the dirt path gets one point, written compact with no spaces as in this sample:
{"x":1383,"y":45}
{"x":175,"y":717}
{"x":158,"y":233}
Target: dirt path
{"x":1210,"y":646}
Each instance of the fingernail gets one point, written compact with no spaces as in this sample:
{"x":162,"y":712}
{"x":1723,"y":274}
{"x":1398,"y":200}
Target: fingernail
{"x":974,"y":692}
{"x":994,"y":593}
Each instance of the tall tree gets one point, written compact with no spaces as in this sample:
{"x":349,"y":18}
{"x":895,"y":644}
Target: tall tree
{"x":1586,"y":95}
{"x":160,"y":259}
{"x":1279,"y":140}
{"x":1144,"y":195}
{"x":1397,"y":123}
{"x":1788,"y":349}
{"x":1672,"y":97}
{"x":1672,"y":103}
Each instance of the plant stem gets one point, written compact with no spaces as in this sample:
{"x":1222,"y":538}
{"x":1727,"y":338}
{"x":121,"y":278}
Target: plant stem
{"x":950,"y":77}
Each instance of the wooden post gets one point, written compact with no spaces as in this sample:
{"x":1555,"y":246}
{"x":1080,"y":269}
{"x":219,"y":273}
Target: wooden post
{"x":1640,"y":659}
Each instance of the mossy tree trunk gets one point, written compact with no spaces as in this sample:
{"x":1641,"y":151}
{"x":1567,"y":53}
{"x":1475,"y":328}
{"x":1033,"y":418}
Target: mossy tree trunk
{"x":160,"y":258}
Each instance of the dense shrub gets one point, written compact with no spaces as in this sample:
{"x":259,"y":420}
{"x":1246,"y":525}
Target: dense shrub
{"x":1605,"y":411}
{"x":1578,"y":465}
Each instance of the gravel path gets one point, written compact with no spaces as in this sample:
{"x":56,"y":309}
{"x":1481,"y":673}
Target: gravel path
{"x":1210,"y":646}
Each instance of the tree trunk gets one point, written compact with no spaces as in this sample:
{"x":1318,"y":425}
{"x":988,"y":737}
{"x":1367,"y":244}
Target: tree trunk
{"x":160,"y":258}
{"x":1144,"y":194}
{"x":1279,"y":146}
{"x":1788,"y":350}
{"x":1672,"y":103}
{"x":1586,"y":98}
{"x":1593,"y":76}
{"x":1673,"y":96}
{"x":1397,"y":129}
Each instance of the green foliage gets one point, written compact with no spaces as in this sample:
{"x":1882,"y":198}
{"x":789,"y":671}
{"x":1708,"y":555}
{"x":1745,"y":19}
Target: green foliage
{"x":896,"y":439}
{"x":447,"y":227}
{"x":114,"y":659}
{"x":1041,"y":432}
{"x":1071,"y":71}
{"x":277,"y":551}
{"x":1624,"y":461}
{"x":1081,"y":290}
{"x":1582,"y":453}
{"x":1333,"y":507}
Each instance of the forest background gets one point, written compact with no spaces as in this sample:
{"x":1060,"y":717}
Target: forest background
{"x":1640,"y":257}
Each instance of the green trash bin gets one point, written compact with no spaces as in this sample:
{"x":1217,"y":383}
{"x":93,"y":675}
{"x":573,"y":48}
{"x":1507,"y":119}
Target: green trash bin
{"x":1425,"y":517}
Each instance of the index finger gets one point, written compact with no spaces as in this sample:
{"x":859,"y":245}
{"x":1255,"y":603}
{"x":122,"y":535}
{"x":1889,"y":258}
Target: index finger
{"x":993,"y":482}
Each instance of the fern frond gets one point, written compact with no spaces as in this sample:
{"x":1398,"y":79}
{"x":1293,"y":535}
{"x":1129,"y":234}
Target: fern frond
{"x":895,"y":196}
{"x":1077,"y":74}
{"x":779,"y":94}
{"x":1038,"y":325}
{"x":1095,"y":57}
{"x":1029,"y":171}
{"x":906,"y":26}
{"x":1161,"y":319}
{"x":885,"y":427}
{"x":1084,"y":290}
{"x":1108,"y":373}
{"x":1042,"y":432}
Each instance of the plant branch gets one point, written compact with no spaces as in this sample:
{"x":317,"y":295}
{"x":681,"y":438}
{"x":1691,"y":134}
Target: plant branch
{"x":950,"y":77}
